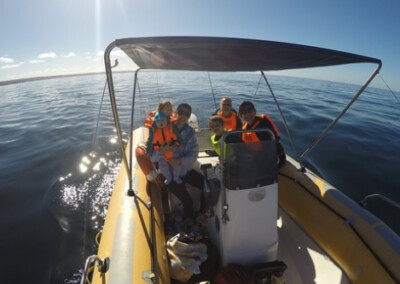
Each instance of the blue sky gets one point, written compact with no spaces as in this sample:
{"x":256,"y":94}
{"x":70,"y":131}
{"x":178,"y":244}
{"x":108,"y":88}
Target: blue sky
{"x":53,"y":37}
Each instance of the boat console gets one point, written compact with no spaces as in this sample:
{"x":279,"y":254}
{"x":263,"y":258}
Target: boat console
{"x":244,"y":225}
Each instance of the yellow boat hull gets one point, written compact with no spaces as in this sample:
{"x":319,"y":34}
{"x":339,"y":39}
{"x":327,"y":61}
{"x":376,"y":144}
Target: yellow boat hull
{"x":364,"y":248}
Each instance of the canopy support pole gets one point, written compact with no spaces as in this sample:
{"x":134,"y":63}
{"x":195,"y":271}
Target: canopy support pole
{"x":284,"y":120}
{"x":330,"y":126}
{"x":114,"y":107}
{"x":131,"y":134}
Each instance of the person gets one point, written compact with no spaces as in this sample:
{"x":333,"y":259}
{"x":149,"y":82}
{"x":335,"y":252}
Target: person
{"x":183,"y":160}
{"x":165,"y":107}
{"x":253,"y":121}
{"x":216,"y":125}
{"x":162,"y":133}
{"x":228,"y":115}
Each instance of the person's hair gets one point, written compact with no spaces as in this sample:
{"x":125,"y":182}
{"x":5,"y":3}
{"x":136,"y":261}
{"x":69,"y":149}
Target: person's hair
{"x":163,"y":104}
{"x":225,"y":99}
{"x":246,"y":104}
{"x":185,"y":106}
{"x":215,"y":118}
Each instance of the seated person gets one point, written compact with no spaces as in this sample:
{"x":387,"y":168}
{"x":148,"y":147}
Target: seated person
{"x":165,"y":107}
{"x":183,"y":161}
{"x":253,"y":121}
{"x":228,"y":115}
{"x":163,"y":134}
{"x":216,"y":125}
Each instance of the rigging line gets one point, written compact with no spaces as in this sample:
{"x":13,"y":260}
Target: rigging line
{"x":393,"y":93}
{"x":284,"y":120}
{"x":212,"y":90}
{"x":101,"y":104}
{"x":258,"y":85}
{"x":142,"y":112}
{"x":98,"y":117}
{"x":94,"y":139}
{"x":158,"y":88}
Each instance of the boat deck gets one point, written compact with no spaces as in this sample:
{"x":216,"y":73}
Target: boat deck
{"x":306,"y":262}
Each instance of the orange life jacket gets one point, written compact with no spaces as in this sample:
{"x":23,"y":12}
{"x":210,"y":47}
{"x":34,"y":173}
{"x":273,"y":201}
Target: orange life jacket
{"x":252,"y":136}
{"x":165,"y":136}
{"x":229,"y":122}
{"x":149,"y":121}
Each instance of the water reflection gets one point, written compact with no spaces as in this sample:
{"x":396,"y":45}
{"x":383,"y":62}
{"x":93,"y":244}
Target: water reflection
{"x":81,"y":201}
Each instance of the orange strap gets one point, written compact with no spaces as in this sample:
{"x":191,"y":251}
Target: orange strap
{"x":250,"y":136}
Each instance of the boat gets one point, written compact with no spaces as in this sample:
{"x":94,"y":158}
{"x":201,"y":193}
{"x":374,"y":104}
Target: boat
{"x":288,"y":214}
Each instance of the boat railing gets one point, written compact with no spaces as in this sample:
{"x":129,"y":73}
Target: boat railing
{"x":386,"y":199}
{"x":103,"y":266}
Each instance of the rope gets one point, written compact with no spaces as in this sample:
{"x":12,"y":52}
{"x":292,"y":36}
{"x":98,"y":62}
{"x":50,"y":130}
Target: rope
{"x":101,"y":104}
{"x":393,"y":93}
{"x":97,"y":238}
{"x":283,"y":119}
{"x":90,"y":270}
{"x":258,"y":85}
{"x":212,"y":90}
{"x":158,"y":88}
{"x":98,"y":117}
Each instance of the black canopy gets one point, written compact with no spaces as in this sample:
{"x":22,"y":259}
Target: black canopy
{"x":230,"y":54}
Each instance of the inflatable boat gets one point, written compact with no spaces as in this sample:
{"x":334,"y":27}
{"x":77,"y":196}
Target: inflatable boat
{"x":260,"y":214}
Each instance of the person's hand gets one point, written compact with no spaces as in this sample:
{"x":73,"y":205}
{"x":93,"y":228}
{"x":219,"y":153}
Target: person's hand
{"x":164,"y":149}
{"x":174,"y":162}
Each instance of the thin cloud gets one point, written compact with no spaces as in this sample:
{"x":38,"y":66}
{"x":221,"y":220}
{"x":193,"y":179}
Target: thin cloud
{"x":88,"y":55}
{"x":47,"y":55}
{"x":71,"y":54}
{"x":10,"y":66}
{"x":100,"y":53}
{"x":36,"y":61}
{"x":6,"y":60}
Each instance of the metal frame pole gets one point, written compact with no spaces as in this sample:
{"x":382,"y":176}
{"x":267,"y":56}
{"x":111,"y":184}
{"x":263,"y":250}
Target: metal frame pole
{"x":111,"y":91}
{"x":322,"y":135}
{"x":284,"y":120}
{"x":132,"y":121}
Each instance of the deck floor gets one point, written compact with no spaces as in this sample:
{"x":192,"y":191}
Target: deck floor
{"x":307,"y":263}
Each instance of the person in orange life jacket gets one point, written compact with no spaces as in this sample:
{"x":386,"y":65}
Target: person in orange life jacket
{"x":165,"y":107}
{"x":228,"y":115}
{"x":183,"y":161}
{"x":253,"y":121}
{"x":216,"y":125}
{"x":162,"y":133}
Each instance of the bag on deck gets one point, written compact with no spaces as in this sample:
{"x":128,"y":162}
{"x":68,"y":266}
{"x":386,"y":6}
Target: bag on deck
{"x":233,"y":274}
{"x":269,"y":272}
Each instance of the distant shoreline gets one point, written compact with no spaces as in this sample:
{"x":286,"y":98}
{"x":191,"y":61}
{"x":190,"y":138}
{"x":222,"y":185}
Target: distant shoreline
{"x":23,"y":80}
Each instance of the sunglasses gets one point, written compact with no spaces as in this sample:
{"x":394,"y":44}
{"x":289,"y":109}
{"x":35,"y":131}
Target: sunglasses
{"x":226,"y":104}
{"x":184,"y":112}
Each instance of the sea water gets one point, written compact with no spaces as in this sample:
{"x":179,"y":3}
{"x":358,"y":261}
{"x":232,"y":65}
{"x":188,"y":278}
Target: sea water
{"x":57,"y":173}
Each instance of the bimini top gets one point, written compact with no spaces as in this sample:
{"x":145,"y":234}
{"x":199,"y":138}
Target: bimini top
{"x":229,"y":54}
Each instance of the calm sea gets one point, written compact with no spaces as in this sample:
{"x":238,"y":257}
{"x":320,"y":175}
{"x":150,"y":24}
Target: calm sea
{"x":56,"y":179}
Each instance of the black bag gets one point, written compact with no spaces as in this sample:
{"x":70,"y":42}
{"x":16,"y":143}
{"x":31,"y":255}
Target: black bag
{"x":208,"y":268}
{"x":266,"y":273}
{"x":234,"y":274}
